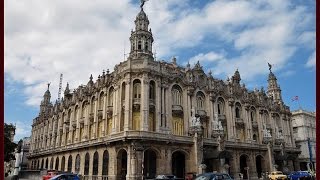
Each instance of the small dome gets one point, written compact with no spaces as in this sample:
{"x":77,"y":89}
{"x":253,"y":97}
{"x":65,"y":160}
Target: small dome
{"x":237,"y":75}
{"x":47,"y":93}
{"x":272,"y":76}
{"x":142,"y":15}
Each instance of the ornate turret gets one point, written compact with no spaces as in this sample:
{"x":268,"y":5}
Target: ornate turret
{"x":141,"y":39}
{"x":46,"y":100}
{"x":236,"y":77}
{"x":274,"y":90}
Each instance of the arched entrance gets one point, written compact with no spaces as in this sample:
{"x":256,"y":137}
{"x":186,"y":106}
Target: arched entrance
{"x":57,"y":163}
{"x":69,"y":164}
{"x":77,"y":164}
{"x":259,"y":165}
{"x":149,"y":164}
{"x":105,"y":163}
{"x":244,"y":166}
{"x":63,"y":162}
{"x":178,"y":164}
{"x":95,"y":163}
{"x":42,"y":164}
{"x":86,"y":164}
{"x":122,"y":164}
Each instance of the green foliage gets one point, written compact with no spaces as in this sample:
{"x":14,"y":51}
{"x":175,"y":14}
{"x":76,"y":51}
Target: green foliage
{"x":9,"y":146}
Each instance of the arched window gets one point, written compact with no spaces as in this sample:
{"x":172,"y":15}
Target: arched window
{"x":86,"y":164}
{"x":69,"y":115}
{"x":83,"y":111}
{"x":110,"y":99}
{"x":200,"y":101}
{"x":101,"y":100}
{"x":77,"y":164}
{"x":95,"y":163}
{"x":105,"y":162}
{"x":254,"y":137}
{"x":137,"y":89}
{"x":220,"y":106}
{"x":238,"y":110}
{"x":93,"y":104}
{"x":76,"y":113}
{"x":146,"y":45}
{"x":176,"y":95}
{"x":69,"y":164}
{"x":152,"y":90}
{"x":139,"y":45}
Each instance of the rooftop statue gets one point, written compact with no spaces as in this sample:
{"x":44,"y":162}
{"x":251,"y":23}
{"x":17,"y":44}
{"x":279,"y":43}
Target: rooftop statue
{"x":142,"y":3}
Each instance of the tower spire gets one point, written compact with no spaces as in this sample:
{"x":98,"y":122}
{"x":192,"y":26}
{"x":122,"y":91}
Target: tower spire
{"x":274,"y":90}
{"x":141,"y":39}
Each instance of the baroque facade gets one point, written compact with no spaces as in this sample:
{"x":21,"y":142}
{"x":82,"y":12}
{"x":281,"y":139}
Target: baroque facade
{"x":304,"y":132}
{"x":151,"y":117}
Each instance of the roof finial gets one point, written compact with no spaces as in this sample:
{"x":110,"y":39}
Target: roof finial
{"x":142,"y":3}
{"x":48,"y":86}
{"x":270,"y":66}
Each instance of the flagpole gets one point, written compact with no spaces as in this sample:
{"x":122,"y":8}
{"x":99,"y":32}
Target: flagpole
{"x":299,"y":104}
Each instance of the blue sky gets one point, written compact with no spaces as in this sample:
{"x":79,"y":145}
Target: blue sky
{"x":77,"y":38}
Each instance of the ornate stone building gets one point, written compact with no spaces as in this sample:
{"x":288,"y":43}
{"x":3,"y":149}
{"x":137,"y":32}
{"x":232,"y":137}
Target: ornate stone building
{"x":304,"y":133}
{"x":151,"y":117}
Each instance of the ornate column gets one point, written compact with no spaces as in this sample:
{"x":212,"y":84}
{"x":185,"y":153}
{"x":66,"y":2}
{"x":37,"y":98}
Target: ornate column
{"x":196,"y":131}
{"x":114,"y":110}
{"x":248,"y":124}
{"x":158,"y":104}
{"x":86,"y":122}
{"x":230,"y":124}
{"x":145,"y":104}
{"x":127,"y":104}
{"x":135,"y":157}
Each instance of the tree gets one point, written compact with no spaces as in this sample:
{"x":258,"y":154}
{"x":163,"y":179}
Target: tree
{"x":9,"y":146}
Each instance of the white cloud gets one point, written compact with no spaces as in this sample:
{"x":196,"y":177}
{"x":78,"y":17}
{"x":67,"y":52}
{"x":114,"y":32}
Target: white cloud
{"x":77,"y":38}
{"x":312,"y":60}
{"x":210,"y":56}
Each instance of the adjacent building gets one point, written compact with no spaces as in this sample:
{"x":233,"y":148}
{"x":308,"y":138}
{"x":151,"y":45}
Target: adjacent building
{"x":304,"y":131}
{"x":151,"y":117}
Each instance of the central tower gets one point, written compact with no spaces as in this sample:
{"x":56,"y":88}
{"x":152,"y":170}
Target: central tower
{"x":141,"y":38}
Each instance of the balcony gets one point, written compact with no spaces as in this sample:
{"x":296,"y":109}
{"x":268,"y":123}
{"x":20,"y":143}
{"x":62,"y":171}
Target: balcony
{"x":279,"y":141}
{"x":91,"y":117}
{"x":177,"y":110}
{"x":202,"y":113}
{"x":152,"y":102}
{"x":239,"y":122}
{"x":255,"y":125}
{"x":81,"y":120}
{"x":109,"y":110}
{"x":136,"y":101}
{"x":100,"y":114}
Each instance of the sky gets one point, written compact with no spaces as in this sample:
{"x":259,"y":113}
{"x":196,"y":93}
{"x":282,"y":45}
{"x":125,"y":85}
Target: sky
{"x":45,"y":38}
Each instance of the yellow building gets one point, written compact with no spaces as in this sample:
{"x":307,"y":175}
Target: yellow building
{"x":151,"y":117}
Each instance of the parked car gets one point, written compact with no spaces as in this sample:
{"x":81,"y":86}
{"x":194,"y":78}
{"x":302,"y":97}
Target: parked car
{"x":274,"y":175}
{"x":297,"y":175}
{"x":213,"y":176}
{"x":49,"y":175}
{"x":167,"y":176}
{"x":66,"y":176}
